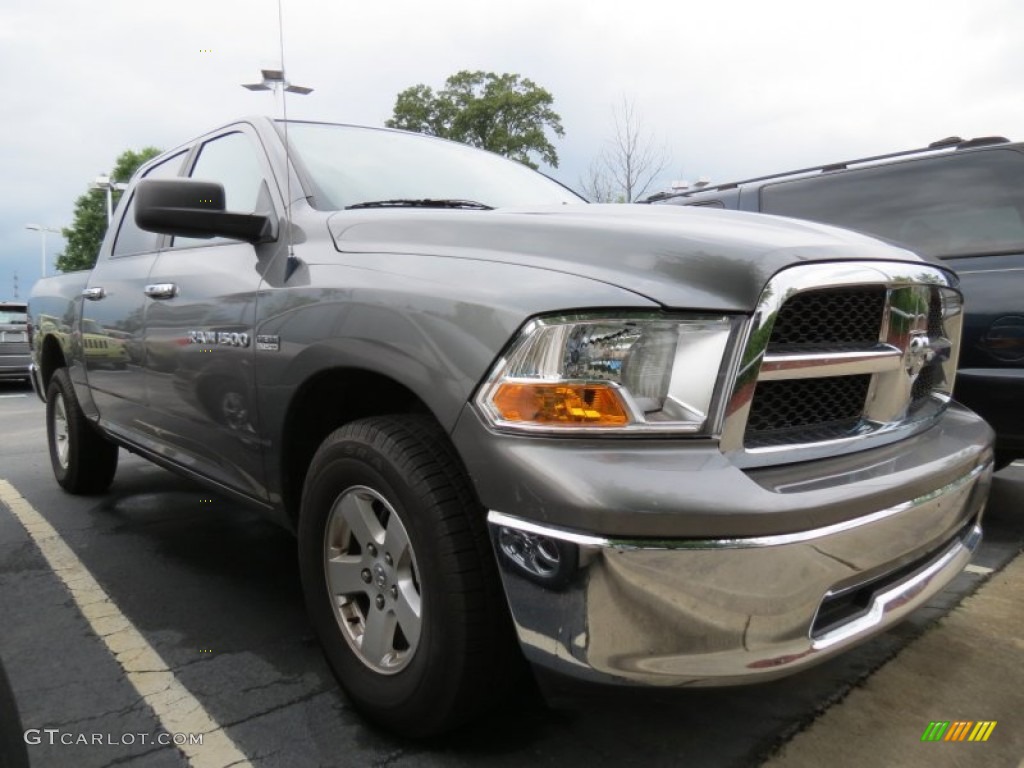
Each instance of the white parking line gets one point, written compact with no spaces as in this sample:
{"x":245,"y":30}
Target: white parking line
{"x":21,"y":395}
{"x":177,"y":709}
{"x":981,"y":570}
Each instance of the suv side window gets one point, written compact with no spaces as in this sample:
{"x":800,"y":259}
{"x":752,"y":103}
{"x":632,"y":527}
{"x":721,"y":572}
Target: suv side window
{"x":131,"y":239}
{"x":955,"y":205}
{"x":231,"y":160}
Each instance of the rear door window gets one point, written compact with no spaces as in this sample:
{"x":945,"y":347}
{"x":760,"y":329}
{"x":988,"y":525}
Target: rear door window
{"x":131,"y":239}
{"x":956,"y":205}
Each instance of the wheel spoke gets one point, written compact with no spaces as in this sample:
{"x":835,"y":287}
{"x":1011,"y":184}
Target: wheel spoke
{"x":408,"y":611}
{"x":396,"y":541}
{"x":343,"y":575}
{"x":60,"y":430}
{"x":379,"y":636}
{"x":357,"y":511}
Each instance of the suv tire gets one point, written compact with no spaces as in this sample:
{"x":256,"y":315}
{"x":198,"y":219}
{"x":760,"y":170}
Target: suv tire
{"x":83,"y":460}
{"x":399,"y":577}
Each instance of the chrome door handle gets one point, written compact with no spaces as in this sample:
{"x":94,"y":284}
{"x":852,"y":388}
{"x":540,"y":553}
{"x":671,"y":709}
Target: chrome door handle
{"x":94,"y":294}
{"x":161,"y":290}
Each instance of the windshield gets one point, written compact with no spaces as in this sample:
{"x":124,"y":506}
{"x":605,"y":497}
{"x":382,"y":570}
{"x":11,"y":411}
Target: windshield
{"x":351,"y":165}
{"x":961,"y":205}
{"x":13,"y":317}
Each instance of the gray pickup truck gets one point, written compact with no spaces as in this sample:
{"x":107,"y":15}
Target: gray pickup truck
{"x":632,"y":445}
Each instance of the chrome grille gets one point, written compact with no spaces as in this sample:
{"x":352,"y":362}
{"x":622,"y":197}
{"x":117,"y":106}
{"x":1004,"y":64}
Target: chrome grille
{"x":832,"y":405}
{"x":842,"y":354}
{"x":836,"y":316}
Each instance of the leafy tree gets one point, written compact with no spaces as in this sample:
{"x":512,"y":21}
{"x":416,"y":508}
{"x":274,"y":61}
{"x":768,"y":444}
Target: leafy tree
{"x":506,"y":113}
{"x":85,"y":235}
{"x":629,"y":162}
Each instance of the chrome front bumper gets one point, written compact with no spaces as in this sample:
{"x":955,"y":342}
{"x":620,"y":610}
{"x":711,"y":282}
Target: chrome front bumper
{"x":728,"y":611}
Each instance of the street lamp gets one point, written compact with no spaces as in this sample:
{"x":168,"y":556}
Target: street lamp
{"x":104,"y":182}
{"x":42,"y":242}
{"x":274,"y":79}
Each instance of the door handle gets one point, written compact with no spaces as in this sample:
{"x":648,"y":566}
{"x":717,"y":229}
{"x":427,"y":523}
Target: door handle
{"x":94,"y":294}
{"x":161,"y":290}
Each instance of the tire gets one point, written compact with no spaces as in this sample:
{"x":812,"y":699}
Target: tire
{"x":83,"y":460}
{"x":411,"y":615}
{"x":1003,"y":460}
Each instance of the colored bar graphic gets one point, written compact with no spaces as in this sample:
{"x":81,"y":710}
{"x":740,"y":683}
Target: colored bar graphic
{"x":958,"y":730}
{"x":982,"y":730}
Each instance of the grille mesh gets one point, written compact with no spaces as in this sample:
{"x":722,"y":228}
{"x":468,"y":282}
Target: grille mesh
{"x":836,"y":316}
{"x":836,"y":402}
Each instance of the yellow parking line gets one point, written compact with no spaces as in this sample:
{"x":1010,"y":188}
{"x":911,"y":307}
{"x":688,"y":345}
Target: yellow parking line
{"x":177,"y":709}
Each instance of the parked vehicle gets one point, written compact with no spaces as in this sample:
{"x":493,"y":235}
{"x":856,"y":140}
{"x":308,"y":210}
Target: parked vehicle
{"x":652,"y":447}
{"x":958,"y":201}
{"x":15,"y":357}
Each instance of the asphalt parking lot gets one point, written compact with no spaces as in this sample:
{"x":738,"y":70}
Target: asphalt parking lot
{"x":214,"y":591}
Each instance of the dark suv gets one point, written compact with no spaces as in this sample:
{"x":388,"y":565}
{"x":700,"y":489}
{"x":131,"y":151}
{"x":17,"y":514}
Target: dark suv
{"x":14,"y":351}
{"x":961,"y":202}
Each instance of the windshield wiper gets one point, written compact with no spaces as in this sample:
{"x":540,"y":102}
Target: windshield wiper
{"x":422,"y":203}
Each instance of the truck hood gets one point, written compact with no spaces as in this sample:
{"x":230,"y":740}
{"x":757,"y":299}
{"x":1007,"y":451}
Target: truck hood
{"x":679,"y":257}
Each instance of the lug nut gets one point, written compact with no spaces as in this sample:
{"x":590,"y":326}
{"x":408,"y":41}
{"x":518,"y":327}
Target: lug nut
{"x":372,"y":550}
{"x":379,"y":602}
{"x":394,"y":591}
{"x":366,"y":575}
{"x":387,"y":558}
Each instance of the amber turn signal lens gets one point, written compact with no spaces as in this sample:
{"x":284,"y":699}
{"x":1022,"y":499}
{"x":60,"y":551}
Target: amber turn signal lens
{"x":552,"y":404}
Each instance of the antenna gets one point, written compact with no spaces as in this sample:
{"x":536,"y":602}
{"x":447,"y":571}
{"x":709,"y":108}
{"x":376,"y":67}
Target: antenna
{"x":287,"y":144}
{"x":273,"y":80}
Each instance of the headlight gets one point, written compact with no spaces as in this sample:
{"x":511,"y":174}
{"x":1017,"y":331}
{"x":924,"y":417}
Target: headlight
{"x":645,"y":373}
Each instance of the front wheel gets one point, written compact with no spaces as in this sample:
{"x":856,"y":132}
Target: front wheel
{"x":83,"y":460}
{"x":399,"y":579}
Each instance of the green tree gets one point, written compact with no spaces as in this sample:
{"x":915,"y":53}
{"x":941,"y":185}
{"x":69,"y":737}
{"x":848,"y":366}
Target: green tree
{"x":506,"y":113}
{"x":85,"y":235}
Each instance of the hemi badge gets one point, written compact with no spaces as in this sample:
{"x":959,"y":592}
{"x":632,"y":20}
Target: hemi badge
{"x":268,"y":343}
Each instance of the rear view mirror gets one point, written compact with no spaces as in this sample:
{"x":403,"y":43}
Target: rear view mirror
{"x":193,"y":208}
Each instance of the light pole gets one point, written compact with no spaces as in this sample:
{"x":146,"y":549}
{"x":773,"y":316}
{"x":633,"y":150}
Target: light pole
{"x":274,"y":79}
{"x":42,"y":242}
{"x":104,"y":182}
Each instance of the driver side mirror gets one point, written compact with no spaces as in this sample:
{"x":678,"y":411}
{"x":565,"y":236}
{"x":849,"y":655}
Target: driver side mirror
{"x":194,"y":208}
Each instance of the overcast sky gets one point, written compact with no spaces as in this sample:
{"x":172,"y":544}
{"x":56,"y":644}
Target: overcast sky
{"x":733,"y":89}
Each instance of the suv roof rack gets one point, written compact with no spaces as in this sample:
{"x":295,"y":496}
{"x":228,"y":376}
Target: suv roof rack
{"x":947,"y":143}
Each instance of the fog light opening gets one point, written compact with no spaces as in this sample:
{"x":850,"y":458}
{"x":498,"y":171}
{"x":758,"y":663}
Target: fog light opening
{"x":542,"y":559}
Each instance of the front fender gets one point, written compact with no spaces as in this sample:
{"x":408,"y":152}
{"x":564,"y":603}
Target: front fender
{"x":434,"y":325}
